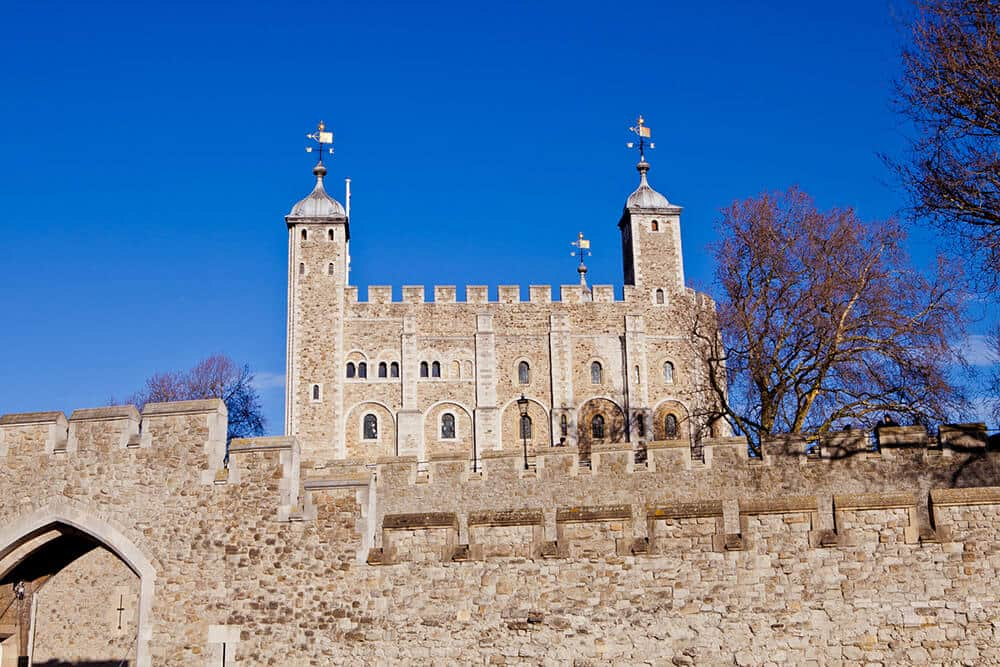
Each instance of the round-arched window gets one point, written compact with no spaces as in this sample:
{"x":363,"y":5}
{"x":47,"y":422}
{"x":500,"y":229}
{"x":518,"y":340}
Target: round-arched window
{"x":351,"y":372}
{"x":370,"y":427}
{"x":668,"y":373}
{"x":670,"y":427}
{"x":523,"y":373}
{"x":597,"y":426}
{"x":447,"y":426}
{"x":596,"y":373}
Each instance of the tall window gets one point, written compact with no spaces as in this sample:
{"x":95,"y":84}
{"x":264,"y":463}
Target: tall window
{"x":350,"y":369}
{"x":329,"y":234}
{"x":637,"y":376}
{"x":655,"y":226}
{"x":371,"y":427}
{"x":670,"y":427}
{"x":394,"y":370}
{"x":436,"y":369}
{"x":362,"y":370}
{"x":447,"y":426}
{"x":597,"y":426}
{"x":315,"y":392}
{"x":329,"y":269}
{"x":523,"y":372}
{"x":525,"y":427}
{"x":563,"y":426}
{"x":456,"y":369}
{"x":640,"y":425}
{"x":423,"y":369}
{"x":596,"y":373}
{"x":659,"y":297}
{"x":383,"y":369}
{"x":302,"y":268}
{"x":305,"y":235}
{"x":668,"y":373}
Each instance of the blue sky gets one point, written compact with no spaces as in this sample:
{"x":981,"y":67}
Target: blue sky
{"x":150,"y":152}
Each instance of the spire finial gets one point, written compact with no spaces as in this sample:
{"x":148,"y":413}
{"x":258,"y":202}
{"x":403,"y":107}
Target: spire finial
{"x":643,"y":132}
{"x":323,"y":138}
{"x":582,"y":246}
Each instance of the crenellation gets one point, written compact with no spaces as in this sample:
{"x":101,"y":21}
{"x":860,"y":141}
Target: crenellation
{"x":30,"y":433}
{"x":603,"y":293}
{"x":103,"y":429}
{"x":445,"y":294}
{"x":540,"y":293}
{"x":477,"y":294}
{"x":413,"y":294}
{"x":509,"y":294}
{"x":379,"y":294}
{"x":570,"y":294}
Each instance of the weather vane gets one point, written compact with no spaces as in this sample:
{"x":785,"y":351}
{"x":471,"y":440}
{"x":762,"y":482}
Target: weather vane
{"x":582,"y":246}
{"x":323,"y":138}
{"x":643,"y":133}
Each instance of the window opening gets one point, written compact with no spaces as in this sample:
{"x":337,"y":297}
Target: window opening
{"x":447,"y":426}
{"x":596,"y":373}
{"x":523,"y":372}
{"x":371,"y":427}
{"x":597,"y":426}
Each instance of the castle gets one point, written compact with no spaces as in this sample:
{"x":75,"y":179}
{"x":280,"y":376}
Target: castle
{"x":416,"y":512}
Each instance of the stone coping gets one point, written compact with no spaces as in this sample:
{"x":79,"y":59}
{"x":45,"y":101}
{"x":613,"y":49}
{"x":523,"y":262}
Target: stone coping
{"x":420,"y":520}
{"x":339,"y":482}
{"x":873,"y":501}
{"x":26,"y":418}
{"x":668,"y":444}
{"x":703,"y":509}
{"x":396,"y":460}
{"x":441,"y":458}
{"x":501,"y":454}
{"x":612,"y":447}
{"x":593,"y":513}
{"x":732,"y":441}
{"x":268,"y":443}
{"x":184,"y":407}
{"x":556,"y":450}
{"x":778,"y":505}
{"x":110,"y":412}
{"x":981,"y":495}
{"x":526,"y":517}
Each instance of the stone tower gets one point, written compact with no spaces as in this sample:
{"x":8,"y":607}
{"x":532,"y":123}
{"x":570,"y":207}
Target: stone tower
{"x":318,"y":262}
{"x":651,"y":242}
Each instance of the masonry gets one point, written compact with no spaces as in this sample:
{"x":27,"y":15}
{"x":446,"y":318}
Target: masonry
{"x":842,"y":556}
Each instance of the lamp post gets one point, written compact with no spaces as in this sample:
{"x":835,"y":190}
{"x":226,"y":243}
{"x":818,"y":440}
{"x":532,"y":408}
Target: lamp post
{"x":522,"y":405}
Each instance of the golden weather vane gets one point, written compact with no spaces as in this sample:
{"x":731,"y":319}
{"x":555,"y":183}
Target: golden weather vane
{"x":582,"y":246}
{"x":321,"y":137}
{"x":643,"y":132}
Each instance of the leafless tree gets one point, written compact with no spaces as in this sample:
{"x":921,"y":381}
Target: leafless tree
{"x":950,"y":91}
{"x":215,"y":377}
{"x":824,"y":323}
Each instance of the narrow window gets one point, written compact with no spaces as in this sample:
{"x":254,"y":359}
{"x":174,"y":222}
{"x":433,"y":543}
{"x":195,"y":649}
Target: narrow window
{"x":655,"y":226}
{"x":468,"y":369}
{"x":640,"y":425}
{"x":447,"y":426}
{"x":435,"y":369}
{"x":315,"y":392}
{"x":637,"y":376}
{"x":523,"y":372}
{"x":423,"y":369}
{"x":394,"y":370}
{"x":597,"y":427}
{"x":350,"y":369}
{"x":371,"y":427}
{"x":329,"y":269}
{"x":329,"y":234}
{"x":456,"y":370}
{"x":362,"y":370}
{"x":670,"y":427}
{"x":383,"y":369}
{"x":659,"y":297}
{"x":668,"y":373}
{"x":563,"y":426}
{"x":596,"y":373}
{"x":302,"y":268}
{"x":525,"y":427}
{"x":305,"y":235}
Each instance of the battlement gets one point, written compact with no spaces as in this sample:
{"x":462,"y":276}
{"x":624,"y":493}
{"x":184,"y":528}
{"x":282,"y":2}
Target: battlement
{"x":504,"y":294}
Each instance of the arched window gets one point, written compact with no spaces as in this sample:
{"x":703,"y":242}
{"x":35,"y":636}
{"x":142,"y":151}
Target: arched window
{"x":523,"y":372}
{"x":362,"y":370}
{"x":668,"y":373}
{"x":659,"y":297}
{"x":456,"y":370}
{"x":596,"y":373}
{"x":525,"y":427}
{"x":655,"y":226}
{"x":597,"y":426}
{"x":447,"y":426}
{"x":383,"y":369}
{"x":305,"y":234}
{"x":302,"y":268}
{"x":435,"y":369}
{"x":350,"y":369}
{"x":563,"y":426}
{"x":329,"y":269}
{"x":394,"y":370}
{"x":670,"y":427}
{"x":371,"y":427}
{"x":315,"y":392}
{"x":638,"y":377}
{"x":329,"y":234}
{"x":423,"y":369}
{"x":640,"y":425}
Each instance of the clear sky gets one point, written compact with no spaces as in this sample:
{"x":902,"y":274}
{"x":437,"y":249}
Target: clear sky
{"x":150,"y":152}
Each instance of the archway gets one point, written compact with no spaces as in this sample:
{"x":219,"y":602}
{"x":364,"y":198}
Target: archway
{"x":537,"y":427}
{"x":599,"y":421}
{"x":73,"y":591}
{"x":371,"y":439}
{"x":671,"y":421}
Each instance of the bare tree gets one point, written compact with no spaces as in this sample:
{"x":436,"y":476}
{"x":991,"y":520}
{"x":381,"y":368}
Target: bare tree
{"x":824,"y":323}
{"x":950,"y":91}
{"x":215,"y":377}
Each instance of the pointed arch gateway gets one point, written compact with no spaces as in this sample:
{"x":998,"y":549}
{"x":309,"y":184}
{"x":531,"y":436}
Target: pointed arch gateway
{"x":36,"y":547}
